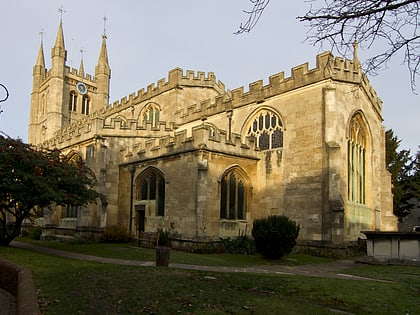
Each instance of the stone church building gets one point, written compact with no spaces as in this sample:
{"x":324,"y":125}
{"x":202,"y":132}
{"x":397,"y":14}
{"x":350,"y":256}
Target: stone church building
{"x":189,"y":155}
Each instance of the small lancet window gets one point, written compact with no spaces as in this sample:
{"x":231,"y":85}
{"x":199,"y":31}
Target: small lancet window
{"x":73,"y":101}
{"x":85,"y":105}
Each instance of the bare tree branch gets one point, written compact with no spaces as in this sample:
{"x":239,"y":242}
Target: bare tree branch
{"x":374,"y":24}
{"x":253,"y":16}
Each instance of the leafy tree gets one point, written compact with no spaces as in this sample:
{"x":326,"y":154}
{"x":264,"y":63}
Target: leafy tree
{"x":374,"y":24}
{"x":415,"y":176}
{"x":403,"y":174}
{"x":32,"y":179}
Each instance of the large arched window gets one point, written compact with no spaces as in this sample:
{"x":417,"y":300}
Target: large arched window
{"x":151,"y":191}
{"x":233,"y":197}
{"x":357,"y":160}
{"x":266,"y":129}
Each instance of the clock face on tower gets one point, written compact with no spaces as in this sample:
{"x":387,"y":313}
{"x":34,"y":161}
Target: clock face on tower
{"x":81,"y":88}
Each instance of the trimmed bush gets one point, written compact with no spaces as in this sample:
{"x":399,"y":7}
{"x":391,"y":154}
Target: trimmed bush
{"x":116,"y":234}
{"x":275,"y":236}
{"x":242,"y":245}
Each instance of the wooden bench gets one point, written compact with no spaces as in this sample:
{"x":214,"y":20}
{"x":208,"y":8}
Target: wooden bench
{"x":148,"y":239}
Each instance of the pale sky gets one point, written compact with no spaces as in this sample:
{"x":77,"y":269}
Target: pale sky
{"x":146,"y":39}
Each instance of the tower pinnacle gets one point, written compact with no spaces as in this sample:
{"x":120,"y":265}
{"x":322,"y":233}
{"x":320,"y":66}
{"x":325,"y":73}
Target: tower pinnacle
{"x":40,"y":61}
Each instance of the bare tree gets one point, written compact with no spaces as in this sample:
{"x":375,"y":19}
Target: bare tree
{"x":386,"y":28}
{"x":253,"y":15}
{"x":5,"y":97}
{"x":374,"y":24}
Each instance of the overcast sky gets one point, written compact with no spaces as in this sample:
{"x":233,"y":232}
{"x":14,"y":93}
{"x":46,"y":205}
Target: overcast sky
{"x":146,"y":39}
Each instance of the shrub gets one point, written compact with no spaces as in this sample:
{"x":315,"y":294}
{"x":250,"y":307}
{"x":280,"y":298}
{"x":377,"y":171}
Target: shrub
{"x":35,"y":233}
{"x":275,"y":236}
{"x":115,"y":234}
{"x":207,"y":248}
{"x":243,"y":245}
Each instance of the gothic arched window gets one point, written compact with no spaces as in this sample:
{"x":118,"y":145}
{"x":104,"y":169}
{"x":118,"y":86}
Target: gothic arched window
{"x":151,"y":191}
{"x":151,"y":114}
{"x":357,"y":160}
{"x":73,"y":101}
{"x":85,"y":105}
{"x":267,"y":130}
{"x":233,"y":196}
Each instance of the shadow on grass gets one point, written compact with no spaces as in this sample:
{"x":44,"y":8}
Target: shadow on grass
{"x":67,"y":286}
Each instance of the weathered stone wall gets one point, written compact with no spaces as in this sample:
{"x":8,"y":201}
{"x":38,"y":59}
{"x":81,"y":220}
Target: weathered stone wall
{"x":202,"y":133}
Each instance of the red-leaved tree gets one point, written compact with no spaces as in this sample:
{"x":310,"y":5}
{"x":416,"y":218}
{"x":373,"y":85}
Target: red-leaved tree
{"x":32,"y":179}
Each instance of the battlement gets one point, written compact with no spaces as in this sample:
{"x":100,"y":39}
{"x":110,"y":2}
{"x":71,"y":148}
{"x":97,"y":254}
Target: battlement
{"x":205,"y":137}
{"x":94,"y":124}
{"x":75,"y":72}
{"x":112,"y":117}
{"x":327,"y":67}
{"x":176,"y":79}
{"x":71,"y":72}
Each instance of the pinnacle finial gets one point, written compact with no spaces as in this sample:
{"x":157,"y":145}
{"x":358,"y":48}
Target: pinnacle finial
{"x":41,"y":34}
{"x":61,"y":11}
{"x":355,"y":52}
{"x":82,"y":51}
{"x":105,"y":19}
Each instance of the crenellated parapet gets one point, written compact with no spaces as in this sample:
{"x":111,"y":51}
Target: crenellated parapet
{"x":72,"y":73}
{"x":203,"y":137}
{"x":75,"y":73}
{"x":96,"y":124}
{"x":118,"y":117}
{"x":176,"y":80}
{"x":327,"y":67}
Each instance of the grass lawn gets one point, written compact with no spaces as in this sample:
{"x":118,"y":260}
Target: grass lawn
{"x":76,"y":287}
{"x":130,"y":252}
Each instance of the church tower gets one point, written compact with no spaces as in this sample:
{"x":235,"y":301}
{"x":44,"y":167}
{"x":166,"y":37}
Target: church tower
{"x":61,"y":95}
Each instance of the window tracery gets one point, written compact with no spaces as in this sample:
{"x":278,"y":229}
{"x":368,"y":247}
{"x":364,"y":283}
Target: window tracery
{"x":151,"y":190}
{"x":151,"y":114}
{"x":233,"y":198}
{"x":357,"y":160}
{"x":267,"y":130}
